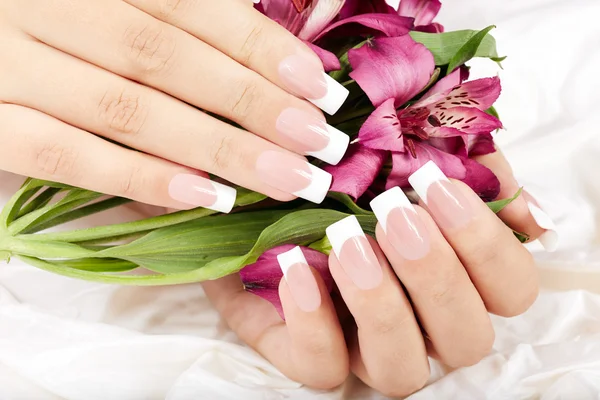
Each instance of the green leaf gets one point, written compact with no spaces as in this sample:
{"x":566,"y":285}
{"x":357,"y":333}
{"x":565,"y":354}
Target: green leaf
{"x":39,"y":201}
{"x":97,"y":265}
{"x":497,"y":206}
{"x":5,"y":256}
{"x":493,"y":112}
{"x":120,"y":231}
{"x":191,"y":245}
{"x":468,"y":50}
{"x":523,"y":237}
{"x":323,"y":245}
{"x":445,"y":46}
{"x":347,"y":201}
{"x":13,"y":206}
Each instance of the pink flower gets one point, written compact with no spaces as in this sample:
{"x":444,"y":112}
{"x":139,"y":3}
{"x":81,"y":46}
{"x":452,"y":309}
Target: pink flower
{"x":447,"y":125}
{"x":262,"y":278}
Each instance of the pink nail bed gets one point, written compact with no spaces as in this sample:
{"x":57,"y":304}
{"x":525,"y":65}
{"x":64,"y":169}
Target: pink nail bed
{"x":293,"y":175}
{"x":404,"y":228}
{"x":355,"y":253}
{"x":309,"y":134}
{"x":197,"y":191}
{"x":304,"y":76}
{"x":300,"y":279}
{"x":445,"y":201}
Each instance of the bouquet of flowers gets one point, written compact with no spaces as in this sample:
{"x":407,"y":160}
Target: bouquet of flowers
{"x":410,"y":102}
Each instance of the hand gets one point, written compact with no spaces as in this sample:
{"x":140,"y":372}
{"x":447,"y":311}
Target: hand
{"x":79,"y":78}
{"x":424,"y":288}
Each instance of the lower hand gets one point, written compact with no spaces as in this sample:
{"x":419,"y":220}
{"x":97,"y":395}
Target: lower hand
{"x":424,"y":288}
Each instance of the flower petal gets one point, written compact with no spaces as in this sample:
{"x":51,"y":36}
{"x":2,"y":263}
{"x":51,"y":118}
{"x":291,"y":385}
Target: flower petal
{"x":404,"y":164}
{"x":423,"y":11}
{"x":329,"y":60}
{"x":448,"y":82}
{"x":390,"y":25}
{"x":467,"y":120}
{"x":382,"y":130}
{"x":357,"y":171}
{"x":481,"y":179}
{"x":396,"y":67}
{"x":323,"y":13}
{"x":431,"y":28}
{"x":285,"y":13}
{"x":357,"y":7}
{"x":479,"y":145}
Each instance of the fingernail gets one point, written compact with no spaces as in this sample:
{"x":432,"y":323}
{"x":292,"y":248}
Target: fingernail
{"x":404,"y":228}
{"x":293,"y":175}
{"x":300,"y":279}
{"x":312,"y":136}
{"x":550,"y":238}
{"x":445,"y":201}
{"x":197,"y":191}
{"x":306,"y":78}
{"x":355,"y":254}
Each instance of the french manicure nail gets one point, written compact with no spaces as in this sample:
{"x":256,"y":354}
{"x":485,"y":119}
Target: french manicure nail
{"x":293,"y":175}
{"x":300,"y":279}
{"x":355,"y":254}
{"x":401,"y":223}
{"x":312,"y":136}
{"x":550,"y":238}
{"x":197,"y":191}
{"x":306,"y":78}
{"x":444,"y":200}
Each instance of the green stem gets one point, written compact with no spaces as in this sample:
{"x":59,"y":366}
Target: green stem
{"x":40,"y":201}
{"x":349,"y":116}
{"x":30,"y":246}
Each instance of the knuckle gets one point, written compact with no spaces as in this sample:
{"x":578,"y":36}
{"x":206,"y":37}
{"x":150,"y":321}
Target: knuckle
{"x":395,"y":388}
{"x":222,"y":154}
{"x":56,"y":160}
{"x":388,"y":319}
{"x":319,"y":344}
{"x":151,"y":49}
{"x":522,"y":301}
{"x":131,"y":183}
{"x":122,"y":112}
{"x":244,"y":100}
{"x":170,"y":10}
{"x":252,"y":41}
{"x":474,"y":351}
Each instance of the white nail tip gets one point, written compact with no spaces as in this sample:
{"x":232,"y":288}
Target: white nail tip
{"x":424,"y":177}
{"x":336,"y":149}
{"x":343,"y":230}
{"x":550,"y":238}
{"x":226,"y":197}
{"x":319,"y":186}
{"x":289,"y":258}
{"x":383,"y":204}
{"x":335,"y":97}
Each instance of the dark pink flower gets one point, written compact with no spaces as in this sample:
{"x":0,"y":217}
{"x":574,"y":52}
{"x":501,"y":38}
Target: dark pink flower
{"x":423,"y":11}
{"x":262,"y":278}
{"x":448,"y":124}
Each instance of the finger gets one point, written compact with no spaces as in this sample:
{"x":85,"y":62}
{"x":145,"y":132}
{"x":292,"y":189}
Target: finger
{"x":256,"y":42}
{"x":449,"y":307}
{"x":142,"y":118}
{"x":390,"y":354}
{"x":37,"y":145}
{"x":524,"y":215}
{"x":501,"y":268}
{"x":142,"y":48}
{"x":288,"y":347}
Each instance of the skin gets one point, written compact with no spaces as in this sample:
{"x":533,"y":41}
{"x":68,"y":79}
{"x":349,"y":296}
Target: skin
{"x":152,"y":66}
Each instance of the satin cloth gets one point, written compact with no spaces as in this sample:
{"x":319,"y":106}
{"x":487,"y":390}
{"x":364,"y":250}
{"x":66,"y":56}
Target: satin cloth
{"x":66,"y":339}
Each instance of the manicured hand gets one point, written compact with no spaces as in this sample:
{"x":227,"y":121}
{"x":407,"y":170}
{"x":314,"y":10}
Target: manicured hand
{"x":78,"y":78}
{"x":424,"y":288}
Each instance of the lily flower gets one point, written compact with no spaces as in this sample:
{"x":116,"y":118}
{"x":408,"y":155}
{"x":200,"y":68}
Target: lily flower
{"x":448,"y":124}
{"x":262,"y":278}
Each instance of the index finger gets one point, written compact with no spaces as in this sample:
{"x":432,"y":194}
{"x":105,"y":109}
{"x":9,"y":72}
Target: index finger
{"x":257,"y":42}
{"x":523,"y":215}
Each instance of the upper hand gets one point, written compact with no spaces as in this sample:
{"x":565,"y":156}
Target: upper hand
{"x":137,"y":73}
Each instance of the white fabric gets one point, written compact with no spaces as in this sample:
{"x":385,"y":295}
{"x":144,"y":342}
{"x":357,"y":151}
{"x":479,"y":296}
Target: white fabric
{"x":66,"y":339}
